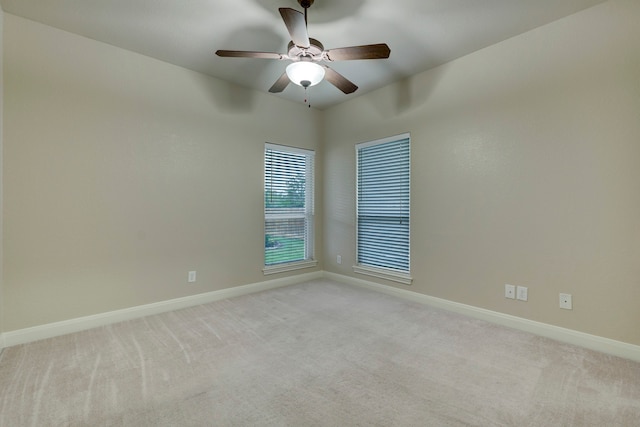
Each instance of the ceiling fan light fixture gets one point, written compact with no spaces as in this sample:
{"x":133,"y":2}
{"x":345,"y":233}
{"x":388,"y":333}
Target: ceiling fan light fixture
{"x":305,"y":73}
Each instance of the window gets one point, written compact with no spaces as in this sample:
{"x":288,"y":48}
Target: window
{"x":288,"y":208}
{"x":383,"y":193}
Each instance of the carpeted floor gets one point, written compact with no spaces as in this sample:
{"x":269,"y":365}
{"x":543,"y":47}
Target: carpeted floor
{"x":315,"y":354}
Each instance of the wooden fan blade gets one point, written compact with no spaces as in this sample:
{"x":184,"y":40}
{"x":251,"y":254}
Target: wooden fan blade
{"x":370,"y":51}
{"x":248,"y":54}
{"x":339,"y":81}
{"x":280,"y":84}
{"x":296,"y":25}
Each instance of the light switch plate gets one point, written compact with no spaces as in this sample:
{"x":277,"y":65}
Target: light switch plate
{"x":522,"y":293}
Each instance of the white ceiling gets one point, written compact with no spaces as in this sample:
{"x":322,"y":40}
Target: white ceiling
{"x":421,"y":33}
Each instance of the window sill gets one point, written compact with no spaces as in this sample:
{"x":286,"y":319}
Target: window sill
{"x":382,"y":273}
{"x":281,"y":268}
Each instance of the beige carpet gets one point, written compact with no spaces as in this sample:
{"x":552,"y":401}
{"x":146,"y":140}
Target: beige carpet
{"x":315,"y":354}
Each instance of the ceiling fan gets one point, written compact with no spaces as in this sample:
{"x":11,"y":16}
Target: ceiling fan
{"x":306,"y":55}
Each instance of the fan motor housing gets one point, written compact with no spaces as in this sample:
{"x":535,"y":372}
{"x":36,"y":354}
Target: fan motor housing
{"x":315,"y":49}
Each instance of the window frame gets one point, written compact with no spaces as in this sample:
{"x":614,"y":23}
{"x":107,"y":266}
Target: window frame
{"x":392,"y":274}
{"x":308,"y":214}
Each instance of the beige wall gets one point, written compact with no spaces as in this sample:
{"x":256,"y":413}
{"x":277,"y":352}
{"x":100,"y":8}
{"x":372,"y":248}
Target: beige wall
{"x":525,"y":170}
{"x":1,"y":173}
{"x":122,"y":173}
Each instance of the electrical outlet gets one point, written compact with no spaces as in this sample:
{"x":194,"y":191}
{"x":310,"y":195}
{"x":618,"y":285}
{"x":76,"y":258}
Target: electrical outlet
{"x":339,"y":259}
{"x":509,"y":291}
{"x":565,"y":301}
{"x":522,"y":293}
{"x":191,"y":278}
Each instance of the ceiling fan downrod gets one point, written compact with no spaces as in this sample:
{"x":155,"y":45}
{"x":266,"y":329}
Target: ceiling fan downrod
{"x":306,"y":4}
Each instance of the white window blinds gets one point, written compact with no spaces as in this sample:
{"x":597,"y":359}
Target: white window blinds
{"x":288,"y":204}
{"x":383,"y":193}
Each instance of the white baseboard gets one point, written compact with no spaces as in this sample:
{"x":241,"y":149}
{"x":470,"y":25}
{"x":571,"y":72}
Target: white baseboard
{"x":593,"y":342}
{"x":50,"y":330}
{"x":604,"y":345}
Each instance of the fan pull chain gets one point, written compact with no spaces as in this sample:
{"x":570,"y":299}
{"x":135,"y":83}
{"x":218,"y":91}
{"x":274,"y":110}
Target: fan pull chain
{"x":307,"y":98}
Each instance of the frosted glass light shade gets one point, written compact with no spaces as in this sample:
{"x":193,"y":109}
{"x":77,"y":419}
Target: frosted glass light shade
{"x":305,"y":73}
